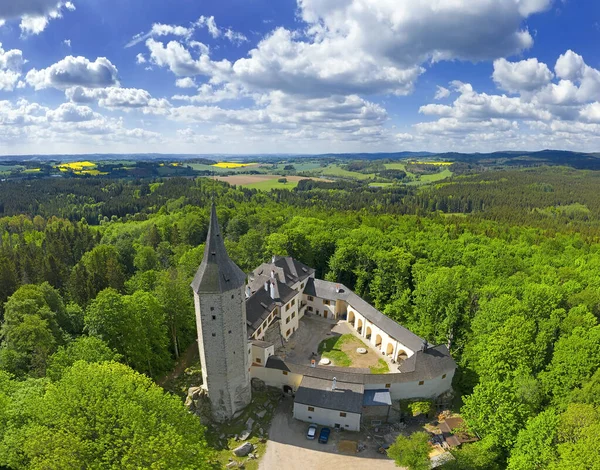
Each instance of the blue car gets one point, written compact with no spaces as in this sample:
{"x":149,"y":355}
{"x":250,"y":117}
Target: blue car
{"x":324,"y":435}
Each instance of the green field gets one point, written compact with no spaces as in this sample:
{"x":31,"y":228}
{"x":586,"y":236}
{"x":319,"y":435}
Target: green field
{"x":298,"y":167}
{"x":395,"y":166}
{"x":425,"y":179}
{"x":336,"y":170}
{"x":271,"y":184}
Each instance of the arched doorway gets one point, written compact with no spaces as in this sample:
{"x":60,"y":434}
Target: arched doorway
{"x":401,"y":355}
{"x":389,"y":350}
{"x":369,"y":333}
{"x":351,"y":317}
{"x":378,"y":341}
{"x":359,"y":326}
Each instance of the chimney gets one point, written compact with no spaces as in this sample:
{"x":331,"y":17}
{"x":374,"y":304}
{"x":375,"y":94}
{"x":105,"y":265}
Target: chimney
{"x":248,"y":291}
{"x":273,"y":259}
{"x":333,"y":384}
{"x":267,"y":286}
{"x":424,"y":346}
{"x":272,"y":274}
{"x":272,"y":291}
{"x":338,"y":288}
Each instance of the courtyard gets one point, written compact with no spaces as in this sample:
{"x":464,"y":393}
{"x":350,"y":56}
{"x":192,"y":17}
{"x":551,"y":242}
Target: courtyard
{"x":318,"y":338}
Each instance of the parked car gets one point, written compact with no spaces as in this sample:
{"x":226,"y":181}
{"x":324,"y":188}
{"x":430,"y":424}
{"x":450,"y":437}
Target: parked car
{"x":312,"y":432}
{"x":324,"y":435}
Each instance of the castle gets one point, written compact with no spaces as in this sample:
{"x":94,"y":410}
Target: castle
{"x":244,"y":321}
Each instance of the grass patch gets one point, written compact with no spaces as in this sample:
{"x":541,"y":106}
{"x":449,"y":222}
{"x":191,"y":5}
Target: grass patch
{"x":380,"y":368}
{"x":331,"y":348}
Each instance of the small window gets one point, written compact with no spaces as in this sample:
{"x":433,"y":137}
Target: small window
{"x":293,"y":301}
{"x":285,"y":372}
{"x":212,"y":309}
{"x":287,"y":333}
{"x":317,"y":312}
{"x":310,"y":417}
{"x":293,"y":314}
{"x":258,"y":360}
{"x":214,"y":334}
{"x":310,"y":309}
{"x":326,"y":302}
{"x":229,"y":331}
{"x":443,"y":376}
{"x":347,"y":425}
{"x":214,"y":317}
{"x":343,"y":415}
{"x":287,"y":320}
{"x":310,"y":298}
{"x":232,"y":296}
{"x":302,"y":286}
{"x":421,"y":382}
{"x":311,"y":408}
{"x":388,"y":385}
{"x":287,"y":307}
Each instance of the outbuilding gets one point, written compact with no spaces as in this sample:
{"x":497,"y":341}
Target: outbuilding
{"x":329,"y":403}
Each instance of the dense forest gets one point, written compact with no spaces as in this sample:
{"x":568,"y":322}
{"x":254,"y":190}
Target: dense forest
{"x":504,"y":267}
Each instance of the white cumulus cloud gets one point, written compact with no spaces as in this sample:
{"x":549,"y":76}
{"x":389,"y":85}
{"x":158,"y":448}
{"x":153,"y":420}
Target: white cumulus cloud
{"x":74,"y":71}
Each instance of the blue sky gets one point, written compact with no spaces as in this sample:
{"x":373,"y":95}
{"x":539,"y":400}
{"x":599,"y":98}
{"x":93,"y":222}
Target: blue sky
{"x":302,"y":76}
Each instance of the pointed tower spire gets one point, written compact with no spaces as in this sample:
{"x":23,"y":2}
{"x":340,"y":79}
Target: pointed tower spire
{"x":217,"y":273}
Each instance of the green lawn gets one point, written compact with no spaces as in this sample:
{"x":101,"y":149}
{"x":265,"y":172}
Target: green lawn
{"x":380,"y":368}
{"x":331,"y":348}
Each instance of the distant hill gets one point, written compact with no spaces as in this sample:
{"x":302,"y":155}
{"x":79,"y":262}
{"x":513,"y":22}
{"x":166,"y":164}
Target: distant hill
{"x":579,"y":160}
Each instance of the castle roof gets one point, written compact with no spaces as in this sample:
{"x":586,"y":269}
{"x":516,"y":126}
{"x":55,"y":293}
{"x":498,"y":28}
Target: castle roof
{"x":260,"y":304}
{"x":285,"y":269}
{"x":217,"y":272}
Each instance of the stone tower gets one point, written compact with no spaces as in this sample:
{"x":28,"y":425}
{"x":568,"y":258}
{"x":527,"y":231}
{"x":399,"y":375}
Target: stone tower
{"x":219,"y":300}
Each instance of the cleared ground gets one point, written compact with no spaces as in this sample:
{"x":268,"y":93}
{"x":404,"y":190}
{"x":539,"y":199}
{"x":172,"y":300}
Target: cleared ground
{"x":288,"y":448}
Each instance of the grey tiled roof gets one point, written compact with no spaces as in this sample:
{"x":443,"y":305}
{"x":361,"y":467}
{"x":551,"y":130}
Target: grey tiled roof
{"x":423,"y":365}
{"x":329,"y":290}
{"x":260,"y":304}
{"x":217,"y":273}
{"x":346,"y":397}
{"x":286,"y":269}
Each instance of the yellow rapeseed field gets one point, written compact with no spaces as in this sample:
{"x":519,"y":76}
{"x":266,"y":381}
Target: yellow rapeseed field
{"x":432,"y":163}
{"x":231,"y":165}
{"x":77,"y":166}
